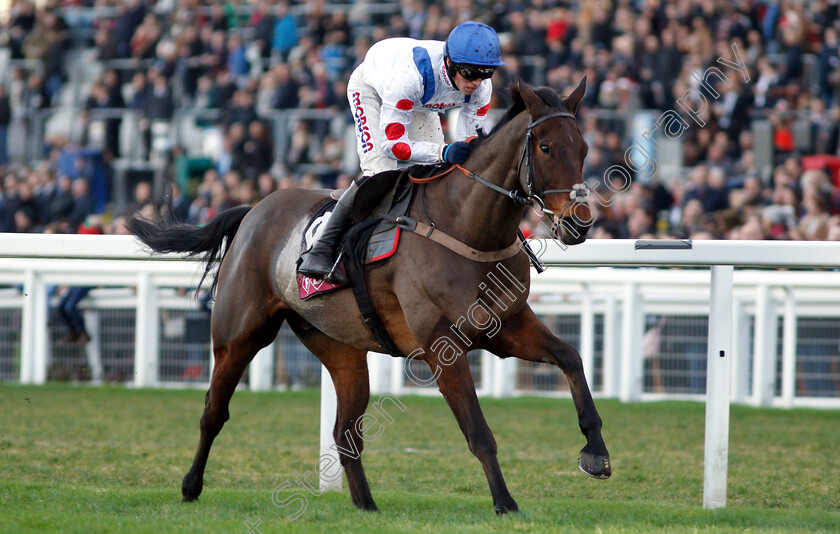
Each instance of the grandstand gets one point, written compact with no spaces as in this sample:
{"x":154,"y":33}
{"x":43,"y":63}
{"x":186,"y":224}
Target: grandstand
{"x":251,"y":95}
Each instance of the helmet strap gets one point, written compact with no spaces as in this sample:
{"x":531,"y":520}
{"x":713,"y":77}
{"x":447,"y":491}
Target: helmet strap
{"x":450,"y":70}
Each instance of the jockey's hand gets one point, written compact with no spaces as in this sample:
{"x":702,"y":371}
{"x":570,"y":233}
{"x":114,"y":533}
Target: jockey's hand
{"x":456,"y":153}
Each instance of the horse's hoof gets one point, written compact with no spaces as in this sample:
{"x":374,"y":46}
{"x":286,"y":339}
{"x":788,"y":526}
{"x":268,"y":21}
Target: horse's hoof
{"x":595,"y":465}
{"x":188,"y":492}
{"x":367,"y":506}
{"x":508,"y":505}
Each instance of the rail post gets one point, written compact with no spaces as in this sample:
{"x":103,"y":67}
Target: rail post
{"x":587,"y":335}
{"x":261,"y":369}
{"x":632,"y":326}
{"x":764,"y":352}
{"x":718,"y":370}
{"x":329,"y":411}
{"x":789,"y":349}
{"x":146,"y":333}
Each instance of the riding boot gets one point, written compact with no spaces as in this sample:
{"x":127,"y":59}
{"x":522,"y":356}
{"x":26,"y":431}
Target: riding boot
{"x":320,"y":261}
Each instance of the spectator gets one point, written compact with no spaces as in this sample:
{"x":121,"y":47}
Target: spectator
{"x":241,"y":109}
{"x":813,"y":226}
{"x":83,"y":201}
{"x":299,"y":149}
{"x":35,"y":95}
{"x":257,"y":151}
{"x":285,"y":89}
{"x":262,"y":22}
{"x":26,"y":211}
{"x":265,"y":185}
{"x":22,"y":22}
{"x":285,"y":33}
{"x":158,"y":104}
{"x":142,"y":197}
{"x":68,"y":305}
{"x":237,"y":64}
{"x":219,"y":201}
{"x":131,"y":15}
{"x":179,"y":203}
{"x":206,"y":96}
{"x":5,"y":120}
{"x":61,"y":203}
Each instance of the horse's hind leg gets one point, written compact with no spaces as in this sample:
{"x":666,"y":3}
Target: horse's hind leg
{"x":232,"y":355}
{"x":525,"y":337}
{"x":348,"y":368}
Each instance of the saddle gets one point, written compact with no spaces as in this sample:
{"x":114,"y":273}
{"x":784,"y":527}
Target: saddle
{"x":375,"y":234}
{"x":373,"y":237}
{"x":369,"y":205}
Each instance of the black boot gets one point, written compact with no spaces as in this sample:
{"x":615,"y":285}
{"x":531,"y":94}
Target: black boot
{"x":318,"y":263}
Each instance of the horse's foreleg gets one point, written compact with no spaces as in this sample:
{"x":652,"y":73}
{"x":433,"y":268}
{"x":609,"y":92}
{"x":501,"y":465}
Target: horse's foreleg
{"x":524,"y":336}
{"x":456,"y":385}
{"x":348,"y":368}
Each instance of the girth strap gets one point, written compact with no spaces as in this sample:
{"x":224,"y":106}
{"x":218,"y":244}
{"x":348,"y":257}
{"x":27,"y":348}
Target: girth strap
{"x":445,"y":240}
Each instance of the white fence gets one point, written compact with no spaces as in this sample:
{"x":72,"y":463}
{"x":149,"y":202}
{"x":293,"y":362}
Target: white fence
{"x":754,"y":347}
{"x":641,"y":332}
{"x":612,"y":316}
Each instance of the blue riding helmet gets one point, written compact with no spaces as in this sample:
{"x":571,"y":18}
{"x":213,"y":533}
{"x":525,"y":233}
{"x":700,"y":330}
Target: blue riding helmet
{"x":474,"y":43}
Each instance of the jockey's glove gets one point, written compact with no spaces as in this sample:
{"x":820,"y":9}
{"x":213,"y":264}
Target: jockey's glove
{"x":456,"y":153}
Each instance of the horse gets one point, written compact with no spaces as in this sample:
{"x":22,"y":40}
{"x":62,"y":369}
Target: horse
{"x":534,"y":155}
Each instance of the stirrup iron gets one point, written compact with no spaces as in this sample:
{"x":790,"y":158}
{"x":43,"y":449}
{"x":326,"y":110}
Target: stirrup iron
{"x":331,"y":275}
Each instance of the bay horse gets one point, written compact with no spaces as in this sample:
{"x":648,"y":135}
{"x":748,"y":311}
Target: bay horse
{"x":535,"y":154}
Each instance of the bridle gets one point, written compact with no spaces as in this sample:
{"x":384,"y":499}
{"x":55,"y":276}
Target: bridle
{"x":534,"y":193}
{"x":578,"y":193}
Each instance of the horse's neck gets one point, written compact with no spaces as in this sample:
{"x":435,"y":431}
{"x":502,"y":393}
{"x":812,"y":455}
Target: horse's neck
{"x":475,"y":214}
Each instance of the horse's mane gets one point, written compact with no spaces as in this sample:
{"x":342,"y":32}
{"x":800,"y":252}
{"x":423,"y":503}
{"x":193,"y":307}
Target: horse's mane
{"x":551,"y":97}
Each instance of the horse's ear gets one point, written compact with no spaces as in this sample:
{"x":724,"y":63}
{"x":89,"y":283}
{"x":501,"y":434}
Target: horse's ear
{"x":536,"y":106}
{"x":574,"y":99}
{"x":516,"y":95}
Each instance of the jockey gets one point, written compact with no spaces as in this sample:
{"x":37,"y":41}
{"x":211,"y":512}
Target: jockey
{"x":396,"y":94}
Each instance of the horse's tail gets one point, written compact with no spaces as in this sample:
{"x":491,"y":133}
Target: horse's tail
{"x":169,"y":235}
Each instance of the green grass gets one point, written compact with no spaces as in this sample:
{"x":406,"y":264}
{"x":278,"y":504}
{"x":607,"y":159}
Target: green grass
{"x":111,"y":460}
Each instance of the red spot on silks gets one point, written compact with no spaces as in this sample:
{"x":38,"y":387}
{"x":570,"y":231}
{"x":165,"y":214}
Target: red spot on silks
{"x":405,"y":104}
{"x":401,"y":151}
{"x":394,"y":131}
{"x":482,"y":111}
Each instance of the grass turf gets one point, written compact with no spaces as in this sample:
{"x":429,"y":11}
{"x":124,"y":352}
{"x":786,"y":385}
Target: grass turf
{"x":109,"y":459}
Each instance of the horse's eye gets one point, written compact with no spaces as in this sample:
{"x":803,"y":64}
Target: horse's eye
{"x":545,"y":148}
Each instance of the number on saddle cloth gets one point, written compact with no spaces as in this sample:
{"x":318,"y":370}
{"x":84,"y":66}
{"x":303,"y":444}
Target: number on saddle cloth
{"x":316,"y":226}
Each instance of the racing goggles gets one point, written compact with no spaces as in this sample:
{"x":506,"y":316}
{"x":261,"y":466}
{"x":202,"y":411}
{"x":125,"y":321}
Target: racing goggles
{"x":474,"y":72}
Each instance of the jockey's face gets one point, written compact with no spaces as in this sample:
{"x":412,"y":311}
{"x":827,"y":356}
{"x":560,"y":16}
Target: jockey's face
{"x":467,"y":87}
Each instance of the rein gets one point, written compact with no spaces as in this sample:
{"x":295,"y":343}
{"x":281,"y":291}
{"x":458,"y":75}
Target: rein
{"x":535,"y":192}
{"x":514,"y":194}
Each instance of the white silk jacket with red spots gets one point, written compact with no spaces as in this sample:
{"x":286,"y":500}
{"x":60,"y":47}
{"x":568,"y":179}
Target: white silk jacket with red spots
{"x":410,"y":75}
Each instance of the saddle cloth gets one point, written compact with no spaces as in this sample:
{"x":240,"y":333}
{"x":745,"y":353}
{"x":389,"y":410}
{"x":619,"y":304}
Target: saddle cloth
{"x":383,"y":241}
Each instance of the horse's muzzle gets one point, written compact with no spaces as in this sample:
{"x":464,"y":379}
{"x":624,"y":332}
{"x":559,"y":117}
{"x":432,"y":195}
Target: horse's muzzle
{"x":569,"y":231}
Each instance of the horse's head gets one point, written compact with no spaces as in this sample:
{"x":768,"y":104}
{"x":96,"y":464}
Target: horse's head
{"x":551,"y":168}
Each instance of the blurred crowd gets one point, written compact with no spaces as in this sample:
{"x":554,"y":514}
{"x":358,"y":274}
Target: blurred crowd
{"x":236,"y":63}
